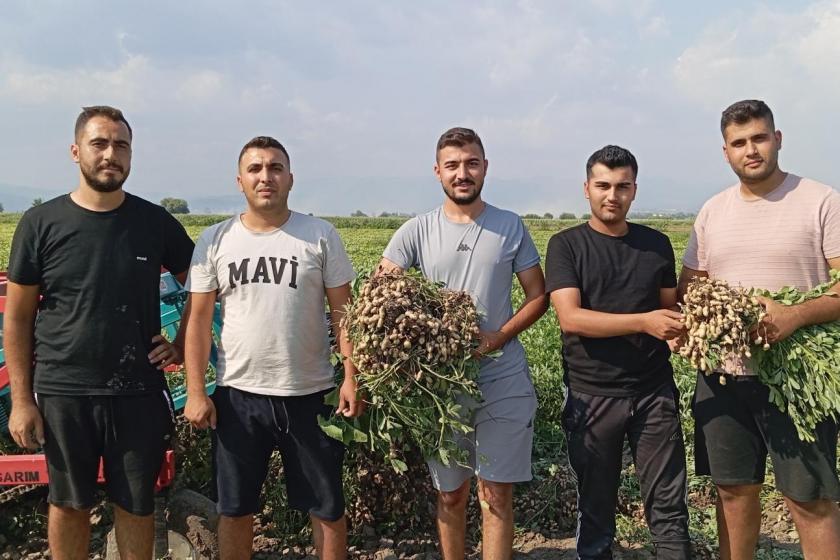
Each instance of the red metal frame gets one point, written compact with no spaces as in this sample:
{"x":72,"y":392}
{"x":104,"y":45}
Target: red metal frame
{"x":32,"y":469}
{"x":18,"y":470}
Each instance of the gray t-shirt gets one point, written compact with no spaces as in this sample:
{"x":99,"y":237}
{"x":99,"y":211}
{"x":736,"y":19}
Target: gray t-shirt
{"x":272,"y":287}
{"x":480,"y":258}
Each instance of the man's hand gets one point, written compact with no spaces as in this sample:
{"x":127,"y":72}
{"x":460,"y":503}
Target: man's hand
{"x":489,"y":341}
{"x":663,"y":324}
{"x":200,"y":411}
{"x":27,"y":426}
{"x":675,"y":344}
{"x":349,"y":404}
{"x":165,"y":353}
{"x":779,"y":322}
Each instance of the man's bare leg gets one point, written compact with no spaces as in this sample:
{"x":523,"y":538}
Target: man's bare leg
{"x":818,"y":524}
{"x":452,"y":521}
{"x":236,"y":537}
{"x":68,"y":533}
{"x":497,"y":520}
{"x":330,"y":538}
{"x":738,"y":520}
{"x":135,"y":534}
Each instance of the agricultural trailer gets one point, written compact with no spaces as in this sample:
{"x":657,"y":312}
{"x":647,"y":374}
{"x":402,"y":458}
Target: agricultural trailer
{"x":21,"y":473}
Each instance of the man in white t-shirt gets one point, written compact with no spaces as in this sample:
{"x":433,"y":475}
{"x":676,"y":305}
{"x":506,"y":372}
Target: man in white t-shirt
{"x":271,"y":268}
{"x":769,"y":230}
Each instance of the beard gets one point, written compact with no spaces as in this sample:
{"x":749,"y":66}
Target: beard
{"x":466,"y":200}
{"x":747,"y":175}
{"x":112,"y":184}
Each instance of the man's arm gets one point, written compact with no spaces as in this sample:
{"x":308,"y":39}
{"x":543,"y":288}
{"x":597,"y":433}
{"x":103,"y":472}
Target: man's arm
{"x":199,"y":409}
{"x":686,"y":276}
{"x":182,"y":331}
{"x":348,"y":404}
{"x":668,"y":299}
{"x":165,"y":352}
{"x":663,"y":324}
{"x":782,"y":320}
{"x":535,"y":304}
{"x":25,"y":423}
{"x":386,"y":266}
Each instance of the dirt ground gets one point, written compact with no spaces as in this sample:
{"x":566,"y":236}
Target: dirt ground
{"x":778,"y":540}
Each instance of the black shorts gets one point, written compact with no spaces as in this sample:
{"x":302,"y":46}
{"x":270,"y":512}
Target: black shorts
{"x":249,"y":427}
{"x":131,"y":434}
{"x":736,"y":426}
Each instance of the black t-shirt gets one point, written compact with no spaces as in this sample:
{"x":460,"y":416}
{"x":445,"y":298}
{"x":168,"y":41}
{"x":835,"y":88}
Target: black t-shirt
{"x":99,"y":278}
{"x":614,"y":275}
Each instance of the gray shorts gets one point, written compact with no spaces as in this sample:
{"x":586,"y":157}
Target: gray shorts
{"x":500,"y":446}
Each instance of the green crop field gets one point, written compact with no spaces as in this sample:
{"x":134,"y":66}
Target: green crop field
{"x":546,"y":505}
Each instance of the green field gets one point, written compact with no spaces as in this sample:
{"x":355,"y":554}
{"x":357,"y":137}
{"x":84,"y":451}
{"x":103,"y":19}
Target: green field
{"x":543,"y":505}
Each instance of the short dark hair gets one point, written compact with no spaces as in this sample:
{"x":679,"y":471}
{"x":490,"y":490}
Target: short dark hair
{"x":99,"y":111}
{"x":263,"y":142}
{"x":742,"y":112}
{"x":460,"y":137}
{"x":613,"y":157}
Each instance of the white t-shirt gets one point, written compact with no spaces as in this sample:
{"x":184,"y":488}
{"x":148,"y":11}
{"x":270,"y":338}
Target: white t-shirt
{"x":272,"y":288}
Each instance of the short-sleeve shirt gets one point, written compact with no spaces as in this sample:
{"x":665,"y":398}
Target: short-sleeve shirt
{"x":99,"y":279}
{"x":479,"y":257}
{"x":272,"y":287}
{"x":782,"y":239}
{"x":621,"y":274}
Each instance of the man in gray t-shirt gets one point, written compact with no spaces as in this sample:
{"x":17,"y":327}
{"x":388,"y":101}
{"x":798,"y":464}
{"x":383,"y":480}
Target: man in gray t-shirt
{"x":470,"y":245}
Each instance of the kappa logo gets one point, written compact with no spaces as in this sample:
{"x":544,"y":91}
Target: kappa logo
{"x":463,"y":247}
{"x":144,"y":259}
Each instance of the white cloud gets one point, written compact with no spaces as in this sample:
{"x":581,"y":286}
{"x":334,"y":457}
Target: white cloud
{"x":199,"y":86}
{"x":770,"y":54}
{"x":34,"y":85}
{"x":654,"y":28}
{"x":819,"y":50}
{"x":136,"y":82}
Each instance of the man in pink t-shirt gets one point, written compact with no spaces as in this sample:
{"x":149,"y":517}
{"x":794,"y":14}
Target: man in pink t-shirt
{"x":769,"y":230}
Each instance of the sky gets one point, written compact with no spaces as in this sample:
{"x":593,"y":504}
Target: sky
{"x":359,"y":92}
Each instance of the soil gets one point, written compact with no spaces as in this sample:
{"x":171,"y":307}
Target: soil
{"x":777,"y":534}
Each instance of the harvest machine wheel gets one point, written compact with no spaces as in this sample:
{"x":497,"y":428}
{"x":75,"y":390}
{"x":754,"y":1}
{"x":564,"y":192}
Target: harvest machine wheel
{"x":179,"y":548}
{"x":188,"y":522}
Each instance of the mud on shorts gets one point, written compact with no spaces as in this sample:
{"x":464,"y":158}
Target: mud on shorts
{"x":499,"y":448}
{"x":131,"y":434}
{"x":736,"y":427}
{"x":249,"y":427}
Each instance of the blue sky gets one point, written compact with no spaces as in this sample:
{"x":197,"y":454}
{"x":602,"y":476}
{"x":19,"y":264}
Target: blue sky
{"x":360,"y":91}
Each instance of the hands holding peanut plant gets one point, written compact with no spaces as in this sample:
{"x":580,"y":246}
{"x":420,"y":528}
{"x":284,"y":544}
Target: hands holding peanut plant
{"x":413,"y":345}
{"x":799,"y":364}
{"x":720,"y":323}
{"x":663,"y":324}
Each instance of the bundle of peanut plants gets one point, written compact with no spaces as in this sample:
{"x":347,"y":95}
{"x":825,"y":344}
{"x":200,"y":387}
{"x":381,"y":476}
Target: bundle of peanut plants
{"x":718,"y":320}
{"x":413,"y":344}
{"x":802,"y":371}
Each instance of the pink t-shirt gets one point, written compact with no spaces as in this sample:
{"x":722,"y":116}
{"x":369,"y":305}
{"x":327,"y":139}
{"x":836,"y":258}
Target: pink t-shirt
{"x":782,"y":239}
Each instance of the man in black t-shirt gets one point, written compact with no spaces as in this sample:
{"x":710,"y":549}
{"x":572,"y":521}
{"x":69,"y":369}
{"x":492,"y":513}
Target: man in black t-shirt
{"x":613,"y":286}
{"x":88,"y":265}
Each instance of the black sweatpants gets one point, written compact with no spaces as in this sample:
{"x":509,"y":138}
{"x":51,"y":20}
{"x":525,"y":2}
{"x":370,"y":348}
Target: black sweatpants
{"x":595,"y":429}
